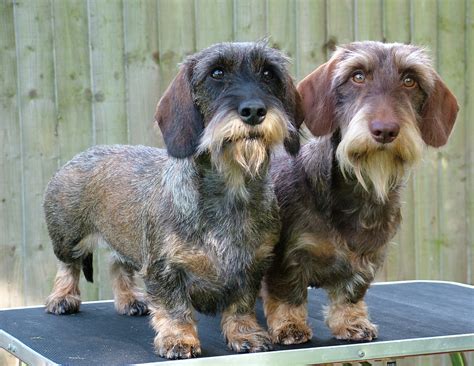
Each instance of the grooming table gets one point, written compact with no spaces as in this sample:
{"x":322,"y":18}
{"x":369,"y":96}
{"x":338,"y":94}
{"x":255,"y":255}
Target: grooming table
{"x":414,"y":318}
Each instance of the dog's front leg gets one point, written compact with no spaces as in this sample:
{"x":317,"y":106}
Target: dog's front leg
{"x":241,"y":329}
{"x":286,"y":313}
{"x":172,"y":318}
{"x":347,"y":314}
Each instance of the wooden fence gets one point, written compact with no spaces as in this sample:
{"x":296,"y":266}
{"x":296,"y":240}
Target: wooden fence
{"x":78,"y":73}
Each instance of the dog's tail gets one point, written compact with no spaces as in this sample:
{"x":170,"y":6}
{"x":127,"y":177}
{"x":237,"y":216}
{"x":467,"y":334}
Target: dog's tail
{"x":87,"y":267}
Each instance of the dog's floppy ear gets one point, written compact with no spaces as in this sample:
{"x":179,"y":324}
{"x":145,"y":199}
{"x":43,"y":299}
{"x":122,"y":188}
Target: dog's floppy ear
{"x":294,"y":109}
{"x":318,"y":99}
{"x":179,"y":119}
{"x":438,"y":114}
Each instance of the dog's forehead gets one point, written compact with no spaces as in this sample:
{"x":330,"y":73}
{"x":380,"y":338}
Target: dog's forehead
{"x":235,"y":55}
{"x":395,"y":58}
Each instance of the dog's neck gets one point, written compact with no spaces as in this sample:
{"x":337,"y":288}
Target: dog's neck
{"x":230,"y":180}
{"x":318,"y":160}
{"x":365,"y":190}
{"x":357,"y":214}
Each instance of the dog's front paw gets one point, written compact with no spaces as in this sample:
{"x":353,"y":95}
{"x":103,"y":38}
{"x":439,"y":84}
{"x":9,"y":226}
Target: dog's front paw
{"x":174,"y":347}
{"x":351,"y":322}
{"x":291,"y":333}
{"x":356,"y":330}
{"x":62,"y":305}
{"x":244,"y":334}
{"x":259,"y":341}
{"x":133,"y":308}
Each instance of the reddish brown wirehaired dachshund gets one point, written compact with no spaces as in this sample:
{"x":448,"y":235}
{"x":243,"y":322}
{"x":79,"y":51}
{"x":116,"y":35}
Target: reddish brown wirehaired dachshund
{"x":377,"y":106}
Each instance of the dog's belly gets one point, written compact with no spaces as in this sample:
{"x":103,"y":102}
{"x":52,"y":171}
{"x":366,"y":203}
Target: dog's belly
{"x":211,"y":298}
{"x":331,"y":263}
{"x":327,"y":271}
{"x":210,"y":295}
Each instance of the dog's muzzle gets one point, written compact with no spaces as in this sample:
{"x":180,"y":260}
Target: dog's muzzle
{"x":384,"y":132}
{"x":252,"y":111}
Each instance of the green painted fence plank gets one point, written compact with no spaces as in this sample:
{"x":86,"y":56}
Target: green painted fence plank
{"x":72,"y":78}
{"x":141,"y":69}
{"x":340,"y":22}
{"x":108,"y":71}
{"x":311,"y":36}
{"x":281,"y":27}
{"x":368,"y":24}
{"x":214,"y":22}
{"x":451,"y":23}
{"x":176,"y":37}
{"x":34,"y":37}
{"x":396,"y":21}
{"x":249,"y":20}
{"x":11,"y":240}
{"x":73,"y":90}
{"x":469,"y":137}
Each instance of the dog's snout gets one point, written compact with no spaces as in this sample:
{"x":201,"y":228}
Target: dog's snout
{"x":384,"y":132}
{"x":252,"y":112}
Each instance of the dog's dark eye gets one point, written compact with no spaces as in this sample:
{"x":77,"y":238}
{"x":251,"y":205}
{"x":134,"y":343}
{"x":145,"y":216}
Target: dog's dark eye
{"x":358,"y":77}
{"x":267,"y":74}
{"x":217,"y":73}
{"x":409,"y":82}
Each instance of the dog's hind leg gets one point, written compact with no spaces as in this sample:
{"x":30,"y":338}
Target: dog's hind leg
{"x":73,"y":254}
{"x":129,"y":300}
{"x":65,"y":298}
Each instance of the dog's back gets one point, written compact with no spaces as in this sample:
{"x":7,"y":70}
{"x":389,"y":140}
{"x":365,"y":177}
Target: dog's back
{"x":102,"y":191}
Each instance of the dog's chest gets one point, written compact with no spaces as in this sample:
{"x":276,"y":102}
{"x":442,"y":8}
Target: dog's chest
{"x":364,"y":225}
{"x":226,"y":272}
{"x":236,"y":241}
{"x":352,"y":241}
{"x":219,"y":240}
{"x":328,"y":260}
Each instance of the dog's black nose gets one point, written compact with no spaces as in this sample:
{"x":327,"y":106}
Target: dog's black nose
{"x":252,"y":112}
{"x":384,"y":132}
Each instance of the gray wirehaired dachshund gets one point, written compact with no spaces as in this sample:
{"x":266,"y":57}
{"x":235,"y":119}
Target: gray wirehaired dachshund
{"x":197,"y":222}
{"x":377,"y":106}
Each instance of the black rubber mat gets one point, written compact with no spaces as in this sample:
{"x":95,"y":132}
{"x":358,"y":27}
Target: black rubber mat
{"x":97,"y":335}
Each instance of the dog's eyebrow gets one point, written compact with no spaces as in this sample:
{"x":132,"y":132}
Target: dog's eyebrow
{"x":205,"y":65}
{"x":273,"y":60}
{"x":350,"y":61}
{"x":418,"y":63}
{"x":360,"y":60}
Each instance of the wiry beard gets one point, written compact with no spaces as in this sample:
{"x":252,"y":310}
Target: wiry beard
{"x":248,"y":155}
{"x":239,"y":150}
{"x":378,"y":168}
{"x":232,"y":142}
